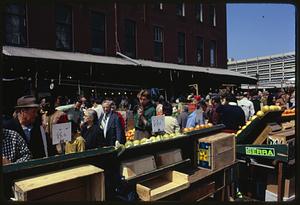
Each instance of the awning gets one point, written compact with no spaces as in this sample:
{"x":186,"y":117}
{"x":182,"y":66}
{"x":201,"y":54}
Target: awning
{"x":208,"y":70}
{"x":82,"y":57}
{"x":62,"y":55}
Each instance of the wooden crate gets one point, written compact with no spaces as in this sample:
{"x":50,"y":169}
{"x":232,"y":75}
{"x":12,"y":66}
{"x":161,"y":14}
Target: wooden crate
{"x":81,"y":183}
{"x":216,"y":151}
{"x":168,"y":157}
{"x":137,"y":166}
{"x":162,"y":186}
{"x":281,"y":137}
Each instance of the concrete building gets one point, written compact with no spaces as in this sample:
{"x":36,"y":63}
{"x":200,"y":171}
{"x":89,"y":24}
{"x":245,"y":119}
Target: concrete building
{"x":271,"y":71}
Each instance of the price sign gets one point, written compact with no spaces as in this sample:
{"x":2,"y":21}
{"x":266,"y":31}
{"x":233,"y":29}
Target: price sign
{"x":61,"y":132}
{"x":158,"y":123}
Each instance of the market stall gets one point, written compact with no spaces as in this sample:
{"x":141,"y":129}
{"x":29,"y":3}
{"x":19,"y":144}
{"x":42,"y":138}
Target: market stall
{"x":266,"y":145}
{"x":171,"y":168}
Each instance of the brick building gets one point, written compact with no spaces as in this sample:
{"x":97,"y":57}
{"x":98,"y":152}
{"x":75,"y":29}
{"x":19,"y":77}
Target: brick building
{"x":91,"y":45}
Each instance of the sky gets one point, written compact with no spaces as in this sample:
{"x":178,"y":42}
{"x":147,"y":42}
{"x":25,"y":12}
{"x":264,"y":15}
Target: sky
{"x":260,"y":30}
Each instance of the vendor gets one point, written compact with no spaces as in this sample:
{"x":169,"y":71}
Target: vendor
{"x":142,"y":115}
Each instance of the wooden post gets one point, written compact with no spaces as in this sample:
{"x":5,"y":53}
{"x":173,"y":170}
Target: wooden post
{"x":280,"y":181}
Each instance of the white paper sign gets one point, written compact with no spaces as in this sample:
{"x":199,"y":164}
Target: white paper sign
{"x":158,"y":123}
{"x":61,"y":132}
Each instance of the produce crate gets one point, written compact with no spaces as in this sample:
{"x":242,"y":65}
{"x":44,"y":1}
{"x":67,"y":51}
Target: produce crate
{"x":137,"y":166}
{"x":162,"y":186}
{"x":81,"y":183}
{"x":281,"y":137}
{"x":216,"y":151}
{"x":168,"y":157}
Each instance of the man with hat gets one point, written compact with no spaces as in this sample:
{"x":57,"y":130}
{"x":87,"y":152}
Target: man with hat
{"x":25,"y":123}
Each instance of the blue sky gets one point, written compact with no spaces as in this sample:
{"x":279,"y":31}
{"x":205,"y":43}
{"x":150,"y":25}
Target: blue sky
{"x":259,"y":30}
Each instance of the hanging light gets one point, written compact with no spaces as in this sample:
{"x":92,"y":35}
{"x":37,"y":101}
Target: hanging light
{"x":112,"y":93}
{"x":125,"y":93}
{"x":119,"y":93}
{"x":105,"y":93}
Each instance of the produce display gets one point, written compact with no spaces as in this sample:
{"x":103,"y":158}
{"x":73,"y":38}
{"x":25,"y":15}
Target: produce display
{"x":130,"y":142}
{"x":152,"y":139}
{"x":197,"y":127}
{"x":130,"y":134}
{"x":259,"y":114}
{"x":289,"y":112}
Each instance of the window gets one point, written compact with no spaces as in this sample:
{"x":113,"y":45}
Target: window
{"x":199,"y":12}
{"x":212,"y":14}
{"x":199,"y":50}
{"x":213,"y":47}
{"x":15,"y":25}
{"x":180,"y":9}
{"x":63,"y":28}
{"x":158,"y":44}
{"x":98,"y":32}
{"x":130,"y":41}
{"x":181,"y":48}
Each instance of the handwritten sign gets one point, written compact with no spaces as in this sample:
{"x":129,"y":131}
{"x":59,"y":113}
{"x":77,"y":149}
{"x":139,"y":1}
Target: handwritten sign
{"x":158,"y":123}
{"x":61,"y":132}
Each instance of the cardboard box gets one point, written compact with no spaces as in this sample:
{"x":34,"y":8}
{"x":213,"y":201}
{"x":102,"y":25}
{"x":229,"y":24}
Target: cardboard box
{"x":270,"y":196}
{"x":81,"y":183}
{"x":216,"y":151}
{"x":162,"y":186}
{"x":168,"y":157}
{"x":289,"y":186}
{"x":137,"y":166}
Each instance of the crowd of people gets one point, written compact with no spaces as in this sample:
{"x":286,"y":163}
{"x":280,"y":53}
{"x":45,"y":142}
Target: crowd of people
{"x":27,"y":134}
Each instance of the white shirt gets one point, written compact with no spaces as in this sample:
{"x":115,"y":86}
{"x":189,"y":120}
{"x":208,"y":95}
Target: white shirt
{"x":105,"y":125}
{"x":99,"y":110}
{"x":171,"y":125}
{"x":247,"y":107}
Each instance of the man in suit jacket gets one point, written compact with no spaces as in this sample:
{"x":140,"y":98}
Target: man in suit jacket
{"x":29,"y":127}
{"x":111,"y":125}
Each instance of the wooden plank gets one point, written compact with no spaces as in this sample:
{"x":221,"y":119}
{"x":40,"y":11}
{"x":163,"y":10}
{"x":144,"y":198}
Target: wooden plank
{"x":168,"y":157}
{"x":215,"y":137}
{"x":197,"y":174}
{"x":280,"y":182}
{"x":97,"y":187}
{"x":47,"y":179}
{"x":53,"y":185}
{"x":77,"y":194}
{"x":224,"y":159}
{"x":44,"y":192}
{"x":162,"y":186}
{"x":198,"y":192}
{"x":137,"y":166}
{"x":263,"y":135}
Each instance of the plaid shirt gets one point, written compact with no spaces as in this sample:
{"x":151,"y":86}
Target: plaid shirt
{"x":14,"y":147}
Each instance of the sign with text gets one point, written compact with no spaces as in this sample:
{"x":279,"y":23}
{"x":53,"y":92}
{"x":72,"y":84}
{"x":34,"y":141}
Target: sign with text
{"x":61,"y":133}
{"x":158,"y":123}
{"x":260,"y":151}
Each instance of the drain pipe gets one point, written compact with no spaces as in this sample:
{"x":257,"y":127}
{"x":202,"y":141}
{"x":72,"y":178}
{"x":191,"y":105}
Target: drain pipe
{"x":117,"y":46}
